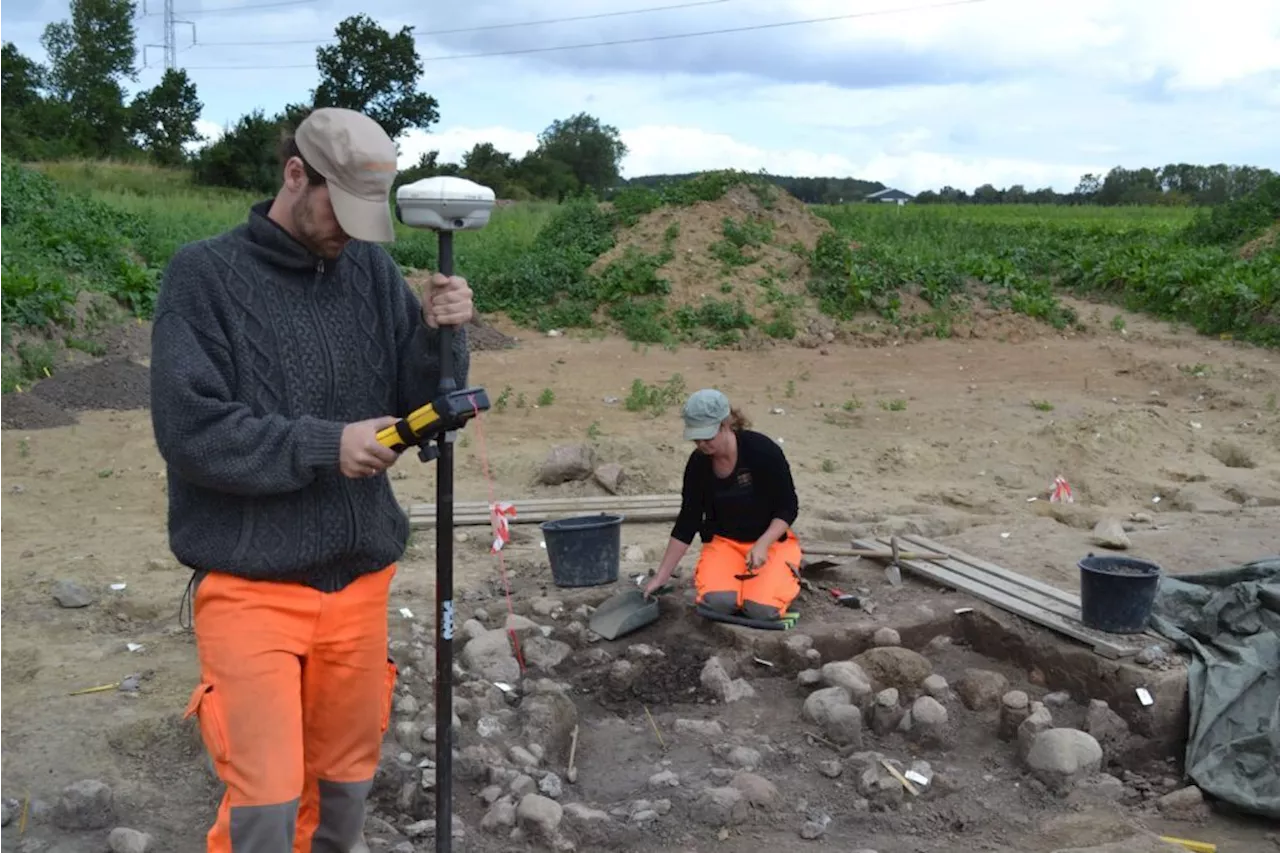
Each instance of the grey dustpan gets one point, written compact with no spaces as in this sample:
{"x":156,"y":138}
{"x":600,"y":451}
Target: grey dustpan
{"x":623,"y":613}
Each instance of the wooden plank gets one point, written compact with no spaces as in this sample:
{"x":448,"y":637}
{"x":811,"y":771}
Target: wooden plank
{"x":592,"y":502}
{"x":1016,"y":577}
{"x":992,"y":568}
{"x":630,"y":516}
{"x":1010,"y":587}
{"x":984,"y":591}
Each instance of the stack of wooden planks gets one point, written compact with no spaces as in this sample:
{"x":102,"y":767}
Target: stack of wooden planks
{"x":635,"y":508}
{"x":1027,"y":597}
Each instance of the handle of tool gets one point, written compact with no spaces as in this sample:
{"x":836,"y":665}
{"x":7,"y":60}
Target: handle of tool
{"x":447,"y":382}
{"x":444,"y":587}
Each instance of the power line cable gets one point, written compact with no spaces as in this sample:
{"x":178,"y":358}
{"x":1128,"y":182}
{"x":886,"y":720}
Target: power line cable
{"x":484,"y":28}
{"x":619,"y":42}
{"x":231,"y":10}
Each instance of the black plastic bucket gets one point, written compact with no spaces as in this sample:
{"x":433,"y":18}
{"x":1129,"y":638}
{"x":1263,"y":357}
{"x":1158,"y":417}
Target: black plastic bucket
{"x":584,"y":550}
{"x":1117,"y":593}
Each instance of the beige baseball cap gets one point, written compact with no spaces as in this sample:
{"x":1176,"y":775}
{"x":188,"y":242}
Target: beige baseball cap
{"x":358,"y":159}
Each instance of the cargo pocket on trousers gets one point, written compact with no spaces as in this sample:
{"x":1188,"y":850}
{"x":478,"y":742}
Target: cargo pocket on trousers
{"x":389,"y":693}
{"x":204,"y":706}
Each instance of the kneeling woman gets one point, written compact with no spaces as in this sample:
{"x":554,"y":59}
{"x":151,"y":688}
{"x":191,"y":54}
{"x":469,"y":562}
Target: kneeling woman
{"x":738,"y":496}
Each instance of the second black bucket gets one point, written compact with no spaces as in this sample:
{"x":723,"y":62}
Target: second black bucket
{"x":585,"y":550}
{"x":1117,"y":593}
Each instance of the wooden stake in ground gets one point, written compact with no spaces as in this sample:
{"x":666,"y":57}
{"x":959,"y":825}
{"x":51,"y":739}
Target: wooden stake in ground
{"x":572,"y":773}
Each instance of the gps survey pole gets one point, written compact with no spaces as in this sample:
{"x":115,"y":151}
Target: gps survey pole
{"x":443,"y":205}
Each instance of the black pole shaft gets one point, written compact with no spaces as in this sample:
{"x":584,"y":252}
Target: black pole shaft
{"x":444,"y":589}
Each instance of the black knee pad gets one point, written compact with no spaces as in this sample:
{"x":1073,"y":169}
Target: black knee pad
{"x":761,"y":612}
{"x":721,"y":602}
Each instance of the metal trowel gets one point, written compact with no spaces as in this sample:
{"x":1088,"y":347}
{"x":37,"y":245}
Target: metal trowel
{"x":625,"y":612}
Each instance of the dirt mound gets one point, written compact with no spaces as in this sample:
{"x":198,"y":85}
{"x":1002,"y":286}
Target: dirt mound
{"x":1262,"y":242}
{"x":110,"y":384}
{"x":27,"y":411}
{"x":753,"y":244}
{"x":481,"y":336}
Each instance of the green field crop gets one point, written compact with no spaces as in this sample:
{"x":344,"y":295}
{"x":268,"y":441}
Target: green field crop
{"x":1144,"y":258}
{"x":110,"y":228}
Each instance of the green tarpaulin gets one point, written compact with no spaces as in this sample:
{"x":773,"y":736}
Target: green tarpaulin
{"x":1229,"y":620}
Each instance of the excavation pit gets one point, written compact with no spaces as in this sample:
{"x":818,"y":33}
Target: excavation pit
{"x":690,"y":732}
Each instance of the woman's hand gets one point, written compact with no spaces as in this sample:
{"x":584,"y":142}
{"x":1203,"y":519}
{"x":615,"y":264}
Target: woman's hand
{"x":757,"y":556}
{"x":655,"y":583}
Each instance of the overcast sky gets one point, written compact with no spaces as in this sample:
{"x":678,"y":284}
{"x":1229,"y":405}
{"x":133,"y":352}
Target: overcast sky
{"x":1036,"y":92}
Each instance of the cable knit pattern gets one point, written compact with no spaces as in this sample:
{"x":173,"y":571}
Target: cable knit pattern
{"x":261,"y":354}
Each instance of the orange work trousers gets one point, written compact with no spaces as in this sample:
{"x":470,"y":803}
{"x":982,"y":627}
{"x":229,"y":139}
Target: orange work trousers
{"x":765,"y":595}
{"x":295,"y":696}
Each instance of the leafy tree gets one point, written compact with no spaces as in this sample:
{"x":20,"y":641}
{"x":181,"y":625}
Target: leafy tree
{"x":244,"y":157}
{"x":485,"y":164}
{"x":375,"y":72}
{"x":592,"y":151}
{"x":165,"y":117}
{"x":89,"y":56}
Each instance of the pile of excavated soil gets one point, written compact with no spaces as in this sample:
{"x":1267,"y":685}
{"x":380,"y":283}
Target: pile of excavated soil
{"x":481,"y":336}
{"x":110,"y":384}
{"x":1260,"y":243}
{"x":27,"y":411}
{"x":694,"y":271}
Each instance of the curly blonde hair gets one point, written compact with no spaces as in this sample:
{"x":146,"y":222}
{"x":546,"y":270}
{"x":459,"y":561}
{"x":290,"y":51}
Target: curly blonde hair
{"x":737,"y":421}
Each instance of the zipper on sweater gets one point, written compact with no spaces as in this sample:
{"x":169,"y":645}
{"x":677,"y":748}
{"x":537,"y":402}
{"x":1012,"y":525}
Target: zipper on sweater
{"x":333,"y":397}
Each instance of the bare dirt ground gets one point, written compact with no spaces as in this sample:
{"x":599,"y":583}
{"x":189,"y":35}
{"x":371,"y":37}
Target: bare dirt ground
{"x":950,"y":439}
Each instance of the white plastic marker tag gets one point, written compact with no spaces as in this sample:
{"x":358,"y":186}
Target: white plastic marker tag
{"x":964,"y":610}
{"x":406,"y":612}
{"x":1144,"y":696}
{"x":118,"y":586}
{"x":918,"y":778}
{"x":133,"y":647}
{"x":503,"y":686}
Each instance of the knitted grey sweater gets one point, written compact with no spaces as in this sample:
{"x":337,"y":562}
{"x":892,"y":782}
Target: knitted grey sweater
{"x":260,"y":354}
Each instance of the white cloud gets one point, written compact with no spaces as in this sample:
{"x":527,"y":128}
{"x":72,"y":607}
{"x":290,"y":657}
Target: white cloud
{"x":453,"y":142}
{"x":1002,"y":91}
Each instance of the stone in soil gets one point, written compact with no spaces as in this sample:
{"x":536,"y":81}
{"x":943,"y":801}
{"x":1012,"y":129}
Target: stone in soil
{"x":759,"y":792}
{"x":795,"y":649}
{"x":500,"y":817}
{"x":886,"y":637}
{"x":490,"y":656}
{"x":125,"y":840}
{"x":848,"y":675}
{"x":818,"y":705}
{"x":544,"y":653}
{"x":699,"y":728}
{"x":71,"y":594}
{"x":610,"y":476}
{"x":87,"y":804}
{"x":722,"y":806}
{"x":843,"y":726}
{"x":547,"y":606}
{"x":716,"y":681}
{"x":927,"y":721}
{"x":539,"y":816}
{"x":1060,"y":757}
{"x":1107,"y":727}
{"x":830,"y":768}
{"x":809,"y":679}
{"x":565,"y":463}
{"x":1109,"y":533}
{"x":893,"y":666}
{"x":936,"y":686}
{"x":981,"y":689}
{"x":664,"y":779}
{"x":1015,"y":707}
{"x":885,"y":713}
{"x":1186,"y":804}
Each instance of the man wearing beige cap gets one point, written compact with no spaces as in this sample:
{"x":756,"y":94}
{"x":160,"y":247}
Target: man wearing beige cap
{"x":279,"y":349}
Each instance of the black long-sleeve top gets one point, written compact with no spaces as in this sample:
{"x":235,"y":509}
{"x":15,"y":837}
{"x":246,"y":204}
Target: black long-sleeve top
{"x":743,"y":505}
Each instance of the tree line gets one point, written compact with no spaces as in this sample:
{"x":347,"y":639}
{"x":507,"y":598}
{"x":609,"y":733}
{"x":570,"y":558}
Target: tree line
{"x":1177,"y":184}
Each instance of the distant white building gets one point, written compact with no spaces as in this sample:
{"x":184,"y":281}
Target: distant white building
{"x":891,"y":196}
